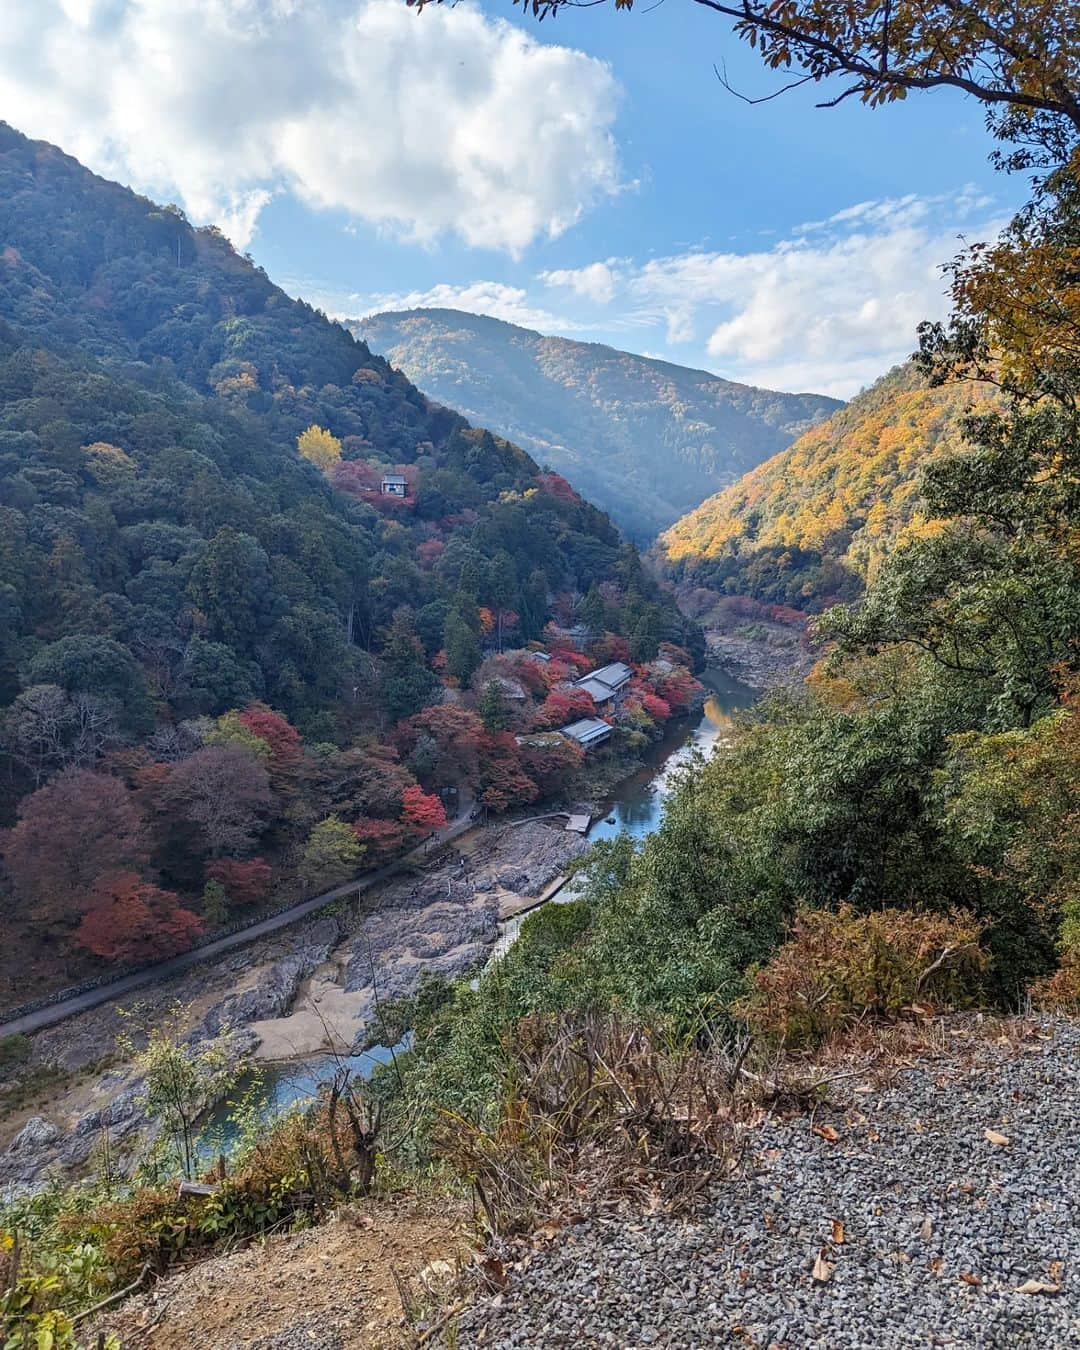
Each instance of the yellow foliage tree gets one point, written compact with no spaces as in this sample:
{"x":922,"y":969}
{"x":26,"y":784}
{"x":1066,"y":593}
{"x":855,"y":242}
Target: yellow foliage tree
{"x":320,"y":447}
{"x":108,"y":464}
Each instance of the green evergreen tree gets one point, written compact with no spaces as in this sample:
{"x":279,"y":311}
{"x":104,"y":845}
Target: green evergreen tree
{"x":594,"y":611}
{"x":215,"y":904}
{"x":492,"y":707}
{"x":463,"y":653}
{"x":408,"y":683}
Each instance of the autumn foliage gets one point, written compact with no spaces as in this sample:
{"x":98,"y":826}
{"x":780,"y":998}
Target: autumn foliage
{"x":282,"y":738}
{"x":132,"y":920}
{"x":565,"y":705}
{"x":70,"y":832}
{"x":382,"y":839}
{"x":421,"y":811}
{"x":658,"y":708}
{"x":245,"y":881}
{"x":840,"y":965}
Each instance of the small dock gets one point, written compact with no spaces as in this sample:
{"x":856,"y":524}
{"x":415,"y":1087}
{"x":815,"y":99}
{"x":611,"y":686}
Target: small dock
{"x":577,"y":823}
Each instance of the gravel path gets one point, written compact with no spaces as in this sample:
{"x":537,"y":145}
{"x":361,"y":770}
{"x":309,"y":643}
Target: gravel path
{"x":941,"y":1226}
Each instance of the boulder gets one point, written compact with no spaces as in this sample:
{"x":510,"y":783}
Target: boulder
{"x":36,"y":1134}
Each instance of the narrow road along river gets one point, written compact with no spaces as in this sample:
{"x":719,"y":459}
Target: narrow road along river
{"x":637,"y":808}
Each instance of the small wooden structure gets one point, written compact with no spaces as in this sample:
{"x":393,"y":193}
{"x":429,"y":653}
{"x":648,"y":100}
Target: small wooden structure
{"x":394,"y":485}
{"x":606,"y":685}
{"x":588,"y":732}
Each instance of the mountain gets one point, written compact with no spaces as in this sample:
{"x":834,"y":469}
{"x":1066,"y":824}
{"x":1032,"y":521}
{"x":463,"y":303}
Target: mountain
{"x":260,"y":598}
{"x":645,"y":439}
{"x":806,"y":528}
{"x":164,"y":543}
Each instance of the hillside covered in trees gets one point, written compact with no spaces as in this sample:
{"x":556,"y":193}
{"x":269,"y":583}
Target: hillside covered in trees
{"x":809,"y":526}
{"x":644,"y":439}
{"x":218,"y":631}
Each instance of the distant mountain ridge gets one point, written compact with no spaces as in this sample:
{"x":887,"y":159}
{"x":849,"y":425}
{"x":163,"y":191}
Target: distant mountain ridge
{"x":808,"y":527}
{"x":644,"y":439}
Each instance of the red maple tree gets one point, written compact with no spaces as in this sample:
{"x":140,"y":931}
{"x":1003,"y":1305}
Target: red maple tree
{"x":245,"y":882}
{"x":555,"y":485}
{"x":70,"y":832}
{"x":564,"y":705}
{"x":132,"y":920}
{"x":658,"y":708}
{"x":282,"y":738}
{"x":679,"y":689}
{"x":421,"y":811}
{"x":382,"y":839}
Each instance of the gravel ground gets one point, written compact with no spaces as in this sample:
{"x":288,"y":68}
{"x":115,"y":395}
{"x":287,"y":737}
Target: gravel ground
{"x":941,"y":1227}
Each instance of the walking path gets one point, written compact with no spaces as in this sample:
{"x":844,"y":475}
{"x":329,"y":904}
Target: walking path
{"x":126,"y":984}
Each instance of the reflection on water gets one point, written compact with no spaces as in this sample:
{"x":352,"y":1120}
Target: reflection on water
{"x":638,"y":807}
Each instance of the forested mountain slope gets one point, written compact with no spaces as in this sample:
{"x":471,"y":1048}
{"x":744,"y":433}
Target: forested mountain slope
{"x":154,"y":385}
{"x":644,"y":439}
{"x":215,"y":627}
{"x":808,"y":527}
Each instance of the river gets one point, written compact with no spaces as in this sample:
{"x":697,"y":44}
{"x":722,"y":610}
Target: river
{"x":638,"y":805}
{"x":636,"y":808}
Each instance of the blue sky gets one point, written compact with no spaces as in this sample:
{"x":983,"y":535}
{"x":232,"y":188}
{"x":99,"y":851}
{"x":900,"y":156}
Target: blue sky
{"x":587,"y":176}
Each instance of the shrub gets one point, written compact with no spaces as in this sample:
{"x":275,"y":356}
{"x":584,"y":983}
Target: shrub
{"x":14,"y":1050}
{"x":839,"y":965}
{"x":1061,"y":990}
{"x":292,"y":1175}
{"x":590,"y":1106}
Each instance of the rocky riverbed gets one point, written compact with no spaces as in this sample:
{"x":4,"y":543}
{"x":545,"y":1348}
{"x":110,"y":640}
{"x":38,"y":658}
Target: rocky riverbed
{"x":773,"y":658}
{"x":309,"y":987}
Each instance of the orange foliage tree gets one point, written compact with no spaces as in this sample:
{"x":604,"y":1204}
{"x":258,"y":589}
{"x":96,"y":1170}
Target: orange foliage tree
{"x":421,"y":811}
{"x":131,"y":920}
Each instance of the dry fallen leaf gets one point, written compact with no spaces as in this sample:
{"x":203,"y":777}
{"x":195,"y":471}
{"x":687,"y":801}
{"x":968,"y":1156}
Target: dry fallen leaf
{"x":838,"y":1231}
{"x":823,"y":1269}
{"x":494,"y":1269}
{"x":827,"y":1132}
{"x":926,"y":1230}
{"x":968,"y":1278}
{"x":1056,"y":1269}
{"x":993,"y":1137}
{"x":1038,"y":1287}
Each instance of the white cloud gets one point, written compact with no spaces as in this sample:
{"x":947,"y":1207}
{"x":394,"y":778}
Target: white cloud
{"x":446,"y":121}
{"x":595,"y":282}
{"x":829,"y":308}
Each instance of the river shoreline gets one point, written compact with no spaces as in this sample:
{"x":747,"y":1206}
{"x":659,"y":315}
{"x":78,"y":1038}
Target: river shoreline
{"x":301,"y":991}
{"x":316,"y":987}
{"x":774,"y":659}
